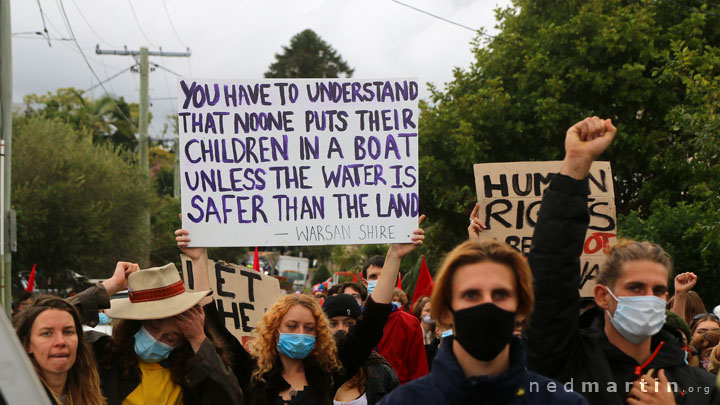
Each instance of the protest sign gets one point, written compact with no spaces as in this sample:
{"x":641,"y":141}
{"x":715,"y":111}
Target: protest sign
{"x":298,"y":161}
{"x":241,"y":294}
{"x":510,"y":193}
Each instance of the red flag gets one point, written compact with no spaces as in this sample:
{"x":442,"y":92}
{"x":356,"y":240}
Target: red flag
{"x":31,"y":281}
{"x":256,"y":260}
{"x":424,"y":284}
{"x":399,"y":285}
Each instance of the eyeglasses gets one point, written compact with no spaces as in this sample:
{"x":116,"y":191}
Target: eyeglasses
{"x":706,"y":314}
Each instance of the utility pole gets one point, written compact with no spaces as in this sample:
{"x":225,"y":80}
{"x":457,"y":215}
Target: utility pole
{"x":6,"y":130}
{"x":144,"y":55}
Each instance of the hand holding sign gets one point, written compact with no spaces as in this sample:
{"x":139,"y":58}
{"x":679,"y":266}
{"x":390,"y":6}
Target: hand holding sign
{"x":584,"y":142}
{"x":183,"y":242}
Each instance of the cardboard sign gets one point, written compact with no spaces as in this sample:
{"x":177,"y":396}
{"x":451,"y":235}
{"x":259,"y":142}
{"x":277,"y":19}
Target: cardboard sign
{"x":241,"y":295}
{"x":292,"y":162}
{"x":510,"y":194}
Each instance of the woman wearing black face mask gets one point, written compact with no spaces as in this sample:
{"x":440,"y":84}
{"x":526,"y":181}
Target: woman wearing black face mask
{"x":482,"y":289}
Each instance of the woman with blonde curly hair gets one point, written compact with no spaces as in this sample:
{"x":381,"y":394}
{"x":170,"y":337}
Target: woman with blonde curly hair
{"x":295,"y":359}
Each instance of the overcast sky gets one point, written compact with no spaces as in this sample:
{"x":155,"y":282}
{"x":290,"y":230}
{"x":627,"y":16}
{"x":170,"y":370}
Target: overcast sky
{"x":236,"y":39}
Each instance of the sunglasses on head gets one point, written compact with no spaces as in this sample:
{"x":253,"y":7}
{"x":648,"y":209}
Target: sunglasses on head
{"x":706,"y":314}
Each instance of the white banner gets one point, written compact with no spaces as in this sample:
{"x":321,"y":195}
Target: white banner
{"x":298,"y":162}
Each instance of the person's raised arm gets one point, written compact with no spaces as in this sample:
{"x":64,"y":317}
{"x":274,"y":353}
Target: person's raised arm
{"x":683,"y":284}
{"x":119,"y":280}
{"x":476,"y":225}
{"x":199,"y":258}
{"x":91,"y":300}
{"x":556,"y":248}
{"x":388,"y":277}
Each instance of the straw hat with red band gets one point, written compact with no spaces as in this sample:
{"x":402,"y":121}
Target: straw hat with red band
{"x":155,"y":293}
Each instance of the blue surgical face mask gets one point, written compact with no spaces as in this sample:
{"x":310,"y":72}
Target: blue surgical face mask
{"x":397,"y":304}
{"x":447,"y":333}
{"x":371,"y":286}
{"x":104,"y":319}
{"x":296,"y":345}
{"x":637,"y":318}
{"x":150,"y":349}
{"x":428,"y":320}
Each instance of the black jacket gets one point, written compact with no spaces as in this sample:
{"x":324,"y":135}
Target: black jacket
{"x":583,"y":357}
{"x":447,"y":384}
{"x":352,"y":352}
{"x":381,"y":378}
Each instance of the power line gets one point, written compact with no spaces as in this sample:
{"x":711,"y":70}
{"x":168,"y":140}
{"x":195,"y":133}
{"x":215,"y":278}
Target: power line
{"x":166,"y":69}
{"x":87,"y":62}
{"x":45,"y":30}
{"x":42,"y":37}
{"x":173,"y":25}
{"x":138,"y":23}
{"x":90,"y":26}
{"x":110,"y":78}
{"x":436,"y":16}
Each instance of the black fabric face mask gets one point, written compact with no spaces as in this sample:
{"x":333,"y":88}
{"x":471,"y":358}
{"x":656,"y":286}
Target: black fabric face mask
{"x":484,"y":330}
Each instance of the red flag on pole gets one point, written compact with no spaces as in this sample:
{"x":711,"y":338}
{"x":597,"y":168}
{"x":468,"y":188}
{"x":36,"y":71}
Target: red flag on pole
{"x":424,"y":284}
{"x":31,"y":281}
{"x":256,"y":260}
{"x":399,"y":285}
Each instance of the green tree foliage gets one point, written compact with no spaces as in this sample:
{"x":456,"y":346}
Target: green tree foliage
{"x":79,"y":204}
{"x":650,"y":66}
{"x":100,"y":116}
{"x":308,"y":56}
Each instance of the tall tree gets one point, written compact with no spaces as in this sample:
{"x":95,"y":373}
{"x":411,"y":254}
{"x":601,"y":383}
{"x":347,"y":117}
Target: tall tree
{"x":308,"y":56}
{"x":650,"y":66}
{"x":79,"y":204}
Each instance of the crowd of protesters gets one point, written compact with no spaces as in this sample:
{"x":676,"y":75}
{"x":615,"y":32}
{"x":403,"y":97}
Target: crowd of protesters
{"x":499,"y":328}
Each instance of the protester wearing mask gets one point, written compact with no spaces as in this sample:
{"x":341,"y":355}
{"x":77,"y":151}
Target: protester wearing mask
{"x":402,"y":342}
{"x":421,"y":310}
{"x":161,"y":350}
{"x":295,"y":359}
{"x":50,"y":330}
{"x":481,"y":290}
{"x":626,"y":341}
{"x":376,"y":377}
{"x":399,"y":299}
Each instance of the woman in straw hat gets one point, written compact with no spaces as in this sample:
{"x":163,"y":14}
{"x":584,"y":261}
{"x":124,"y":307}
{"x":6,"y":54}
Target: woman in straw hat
{"x":295,"y":359}
{"x":161,"y":351}
{"x":51,"y":333}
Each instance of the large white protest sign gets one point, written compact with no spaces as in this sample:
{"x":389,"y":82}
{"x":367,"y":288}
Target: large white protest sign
{"x":298,"y":162}
{"x":242,"y":295}
{"x":510,"y":193}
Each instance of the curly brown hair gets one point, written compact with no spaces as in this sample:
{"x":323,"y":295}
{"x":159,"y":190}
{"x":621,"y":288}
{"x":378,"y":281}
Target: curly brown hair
{"x":264,"y":349}
{"x":83,"y":382}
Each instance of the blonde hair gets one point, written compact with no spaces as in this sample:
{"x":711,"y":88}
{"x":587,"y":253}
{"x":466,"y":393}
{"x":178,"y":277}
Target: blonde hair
{"x":626,"y":250}
{"x":471,"y":252}
{"x":264,"y":349}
